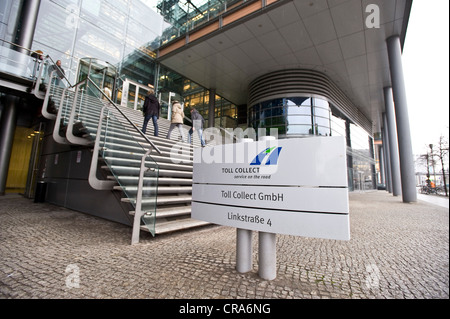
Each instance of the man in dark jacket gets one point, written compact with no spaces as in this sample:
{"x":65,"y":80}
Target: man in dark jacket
{"x":58,"y":75}
{"x":151,"y":110}
{"x":197,"y":125}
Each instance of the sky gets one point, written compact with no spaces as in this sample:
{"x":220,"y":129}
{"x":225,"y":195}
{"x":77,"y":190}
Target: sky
{"x":426,"y":71}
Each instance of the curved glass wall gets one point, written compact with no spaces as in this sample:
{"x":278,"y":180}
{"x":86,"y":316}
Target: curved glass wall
{"x":301,"y":116}
{"x":293,"y":116}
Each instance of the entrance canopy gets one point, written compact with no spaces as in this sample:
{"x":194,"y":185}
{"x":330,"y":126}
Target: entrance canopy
{"x":345,"y":40}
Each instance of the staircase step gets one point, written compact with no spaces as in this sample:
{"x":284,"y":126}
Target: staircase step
{"x":132,"y":180}
{"x":162,"y":200}
{"x":134,"y":171}
{"x":138,"y":155}
{"x":171,"y":212}
{"x":137,"y":163}
{"x":177,"y":225}
{"x":161,"y":189}
{"x":122,"y":154}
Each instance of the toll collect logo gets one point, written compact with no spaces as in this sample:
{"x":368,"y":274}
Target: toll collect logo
{"x":267,"y":161}
{"x":272,"y":159}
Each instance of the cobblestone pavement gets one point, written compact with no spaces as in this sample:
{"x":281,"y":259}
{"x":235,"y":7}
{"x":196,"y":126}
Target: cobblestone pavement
{"x":396,"y":251}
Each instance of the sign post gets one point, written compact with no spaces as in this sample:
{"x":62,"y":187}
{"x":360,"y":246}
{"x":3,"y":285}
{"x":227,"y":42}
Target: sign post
{"x":292,"y":186}
{"x":244,"y":244}
{"x":267,"y":247}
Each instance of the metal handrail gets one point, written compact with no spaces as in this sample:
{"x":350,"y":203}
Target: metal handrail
{"x":93,"y":180}
{"x":118,"y":109}
{"x":17,"y":45}
{"x":64,"y":74}
{"x":44,"y":111}
{"x":31,"y":52}
{"x":126,"y":117}
{"x":138,"y":207}
{"x":219,"y":127}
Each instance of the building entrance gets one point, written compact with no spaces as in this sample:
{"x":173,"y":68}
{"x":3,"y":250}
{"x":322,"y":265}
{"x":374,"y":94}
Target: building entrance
{"x":102,"y":73}
{"x":133,"y":94}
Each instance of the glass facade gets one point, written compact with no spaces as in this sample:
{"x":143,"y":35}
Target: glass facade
{"x":125,"y":34}
{"x":184,"y":16}
{"x":195,"y":96}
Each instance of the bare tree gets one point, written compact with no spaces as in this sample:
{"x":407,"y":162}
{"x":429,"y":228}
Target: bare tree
{"x":442,"y":154}
{"x":424,"y":159}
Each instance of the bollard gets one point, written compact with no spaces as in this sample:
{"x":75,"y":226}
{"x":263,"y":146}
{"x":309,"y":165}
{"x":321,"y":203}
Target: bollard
{"x":244,"y":258}
{"x":267,"y":246}
{"x":267,"y":255}
{"x":244,"y":262}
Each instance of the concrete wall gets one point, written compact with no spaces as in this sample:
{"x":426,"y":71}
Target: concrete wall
{"x":65,"y":170}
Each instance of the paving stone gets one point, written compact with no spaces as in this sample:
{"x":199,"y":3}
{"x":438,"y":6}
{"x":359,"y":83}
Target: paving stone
{"x":396,"y":251}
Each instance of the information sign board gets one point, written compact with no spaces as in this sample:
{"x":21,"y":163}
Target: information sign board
{"x":291,"y":186}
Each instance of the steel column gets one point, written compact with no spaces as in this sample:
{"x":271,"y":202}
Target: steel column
{"x":7,"y":129}
{"x":403,"y":129}
{"x":393,"y":142}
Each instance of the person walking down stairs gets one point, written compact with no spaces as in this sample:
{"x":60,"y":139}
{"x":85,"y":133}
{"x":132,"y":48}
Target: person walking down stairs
{"x":177,"y":120}
{"x":151,"y":110}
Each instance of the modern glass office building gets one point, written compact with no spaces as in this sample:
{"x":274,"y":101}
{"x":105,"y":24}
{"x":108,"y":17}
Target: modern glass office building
{"x":305,"y":67}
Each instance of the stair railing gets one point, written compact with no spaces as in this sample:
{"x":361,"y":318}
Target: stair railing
{"x":45,"y":113}
{"x":147,"y":216}
{"x":145,"y":206}
{"x":227,"y":134}
{"x":124,"y":116}
{"x":52,"y":86}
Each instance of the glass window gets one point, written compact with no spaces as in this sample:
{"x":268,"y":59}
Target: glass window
{"x":298,"y":129}
{"x":105,"y":16}
{"x":278,"y":111}
{"x":359,"y":137}
{"x":318,"y":111}
{"x":299,"y":119}
{"x":321,"y":103}
{"x":94,"y":42}
{"x":280,"y":120}
{"x":337,"y":126}
{"x":299,"y":110}
{"x":55,"y":29}
{"x":297,"y":101}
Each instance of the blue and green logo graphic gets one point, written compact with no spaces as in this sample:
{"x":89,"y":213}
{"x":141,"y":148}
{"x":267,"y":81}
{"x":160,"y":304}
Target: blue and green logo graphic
{"x":272,"y":154}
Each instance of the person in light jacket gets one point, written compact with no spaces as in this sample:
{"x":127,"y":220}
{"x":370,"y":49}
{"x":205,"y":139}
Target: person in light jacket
{"x":177,"y":119}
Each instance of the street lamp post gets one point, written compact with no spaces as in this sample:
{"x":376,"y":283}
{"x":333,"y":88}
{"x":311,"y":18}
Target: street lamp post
{"x":432,"y":163}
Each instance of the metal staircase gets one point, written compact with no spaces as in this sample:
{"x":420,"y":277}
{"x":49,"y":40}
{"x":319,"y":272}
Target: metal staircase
{"x":153,"y":174}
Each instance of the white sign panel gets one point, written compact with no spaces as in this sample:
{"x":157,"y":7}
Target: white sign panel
{"x":315,"y":161}
{"x":292,"y":186}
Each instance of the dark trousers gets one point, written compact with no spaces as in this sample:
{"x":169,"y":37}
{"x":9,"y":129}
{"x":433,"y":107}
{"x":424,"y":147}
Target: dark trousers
{"x":155,"y":123}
